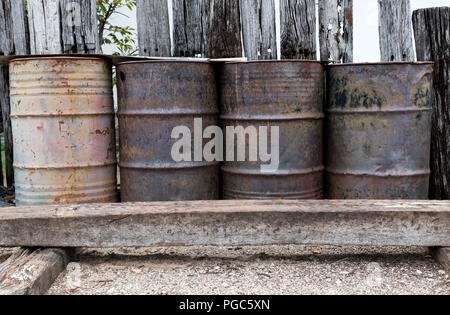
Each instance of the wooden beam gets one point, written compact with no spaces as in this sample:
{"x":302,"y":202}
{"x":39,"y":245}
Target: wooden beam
{"x":32,"y":272}
{"x":336,"y":30}
{"x":153,"y":28}
{"x":228,"y":223}
{"x":259,"y":29}
{"x":431,"y":29}
{"x":298,"y":29}
{"x":14,"y":40}
{"x":396,"y":43}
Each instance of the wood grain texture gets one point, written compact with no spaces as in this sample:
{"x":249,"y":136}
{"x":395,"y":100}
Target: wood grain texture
{"x":442,"y":255}
{"x":298,"y":29}
{"x":258,"y":29}
{"x":432,"y":34}
{"x":153,"y":28}
{"x":396,"y":41}
{"x":63,"y":26}
{"x":207,"y":28}
{"x":14,"y":40}
{"x":336,"y":30}
{"x":229,"y":223}
{"x":32,"y":272}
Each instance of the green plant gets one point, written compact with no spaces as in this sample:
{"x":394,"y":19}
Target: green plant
{"x":123,"y":38}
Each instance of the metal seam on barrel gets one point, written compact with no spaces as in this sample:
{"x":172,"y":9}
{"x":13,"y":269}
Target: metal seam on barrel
{"x":278,"y":173}
{"x":272,"y":117}
{"x":170,"y":166}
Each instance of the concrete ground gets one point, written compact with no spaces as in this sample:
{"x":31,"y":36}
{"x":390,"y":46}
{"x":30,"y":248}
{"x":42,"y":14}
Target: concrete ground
{"x":254,"y":270}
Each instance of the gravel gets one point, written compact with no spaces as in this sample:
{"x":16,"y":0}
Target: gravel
{"x":275,"y":270}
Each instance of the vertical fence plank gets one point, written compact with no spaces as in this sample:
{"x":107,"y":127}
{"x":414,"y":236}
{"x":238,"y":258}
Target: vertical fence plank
{"x":153,"y":28}
{"x":79,"y":26}
{"x":336,"y":30}
{"x":45,"y":31}
{"x":432,"y":34}
{"x":258,"y":28}
{"x":207,"y":28}
{"x":14,"y":40}
{"x":224,"y":29}
{"x":396,"y":41}
{"x":189,"y":22}
{"x":298,"y":29}
{"x":63,"y":26}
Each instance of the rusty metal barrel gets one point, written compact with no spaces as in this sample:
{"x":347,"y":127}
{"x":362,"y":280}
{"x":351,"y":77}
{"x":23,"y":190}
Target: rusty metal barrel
{"x":155,"y":97}
{"x":62,"y":118}
{"x":379,"y":131}
{"x":283,"y":94}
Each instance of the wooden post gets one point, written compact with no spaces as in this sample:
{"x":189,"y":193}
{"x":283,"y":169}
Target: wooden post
{"x":224,"y":29}
{"x":396,"y":41}
{"x":63,"y":26}
{"x":258,"y":29}
{"x":13,"y":41}
{"x":153,"y":28}
{"x":207,"y":28}
{"x":336,"y":30}
{"x":431,"y":28}
{"x":298,"y":29}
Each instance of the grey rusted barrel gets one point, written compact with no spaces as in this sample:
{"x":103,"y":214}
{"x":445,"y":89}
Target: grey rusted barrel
{"x":62,"y":118}
{"x":154,"y":98}
{"x":284,"y":94}
{"x":379,"y":131}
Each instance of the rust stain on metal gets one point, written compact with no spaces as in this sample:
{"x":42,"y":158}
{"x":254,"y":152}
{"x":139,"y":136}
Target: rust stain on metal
{"x":154,"y":98}
{"x":56,"y":105}
{"x":288,"y":94}
{"x":379,"y":131}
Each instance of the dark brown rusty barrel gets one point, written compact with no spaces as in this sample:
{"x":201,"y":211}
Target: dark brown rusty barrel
{"x":379,"y":131}
{"x":154,"y":98}
{"x":284,"y":94}
{"x":62,"y":117}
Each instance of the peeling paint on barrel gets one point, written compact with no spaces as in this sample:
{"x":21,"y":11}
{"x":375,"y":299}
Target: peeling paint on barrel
{"x":62,"y":117}
{"x":154,"y":98}
{"x":287,"y":94}
{"x":379,"y":131}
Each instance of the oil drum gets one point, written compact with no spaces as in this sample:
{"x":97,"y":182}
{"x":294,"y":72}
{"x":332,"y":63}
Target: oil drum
{"x":379,"y":131}
{"x":281,"y":104}
{"x":156,"y":98}
{"x":62,"y":118}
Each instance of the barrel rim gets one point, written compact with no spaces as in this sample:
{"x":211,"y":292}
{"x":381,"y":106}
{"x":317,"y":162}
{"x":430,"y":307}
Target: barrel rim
{"x":299,"y":61}
{"x":165,"y":61}
{"x":387,"y":63}
{"x":62,"y":57}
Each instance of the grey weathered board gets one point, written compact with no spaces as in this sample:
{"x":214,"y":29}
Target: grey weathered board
{"x":298,"y":29}
{"x":228,"y":223}
{"x":432,"y":34}
{"x":63,"y":26}
{"x":259,"y":29}
{"x":32,"y":271}
{"x":336,"y":30}
{"x":14,"y":40}
{"x":153,"y":28}
{"x":442,"y":255}
{"x":396,"y":40}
